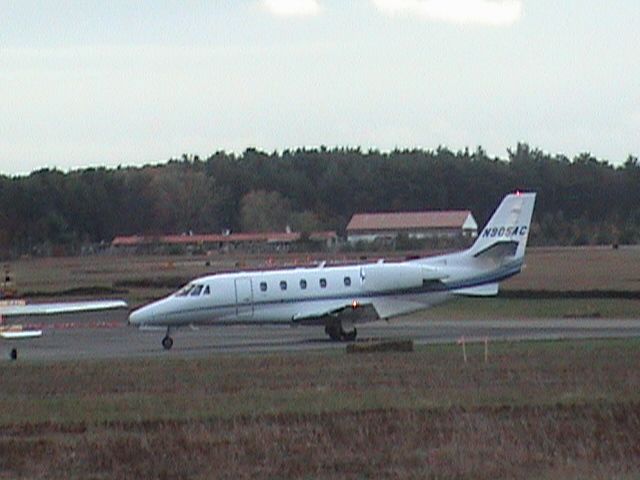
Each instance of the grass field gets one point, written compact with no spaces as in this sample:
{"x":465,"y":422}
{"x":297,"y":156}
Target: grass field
{"x":535,"y":410}
{"x":510,"y":308}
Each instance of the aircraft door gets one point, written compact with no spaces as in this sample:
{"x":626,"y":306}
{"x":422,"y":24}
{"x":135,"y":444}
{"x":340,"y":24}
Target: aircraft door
{"x":244,"y":298}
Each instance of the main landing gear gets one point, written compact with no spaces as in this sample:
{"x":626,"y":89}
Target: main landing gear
{"x":167,"y":341}
{"x":337,"y":334}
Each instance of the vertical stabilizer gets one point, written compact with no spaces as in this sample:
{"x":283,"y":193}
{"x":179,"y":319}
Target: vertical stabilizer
{"x":508,"y":228}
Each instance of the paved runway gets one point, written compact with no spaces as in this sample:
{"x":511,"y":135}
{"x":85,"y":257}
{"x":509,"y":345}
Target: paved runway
{"x":128,"y":342}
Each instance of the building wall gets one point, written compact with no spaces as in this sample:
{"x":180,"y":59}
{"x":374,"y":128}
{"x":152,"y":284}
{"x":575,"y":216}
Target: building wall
{"x":355,"y":237}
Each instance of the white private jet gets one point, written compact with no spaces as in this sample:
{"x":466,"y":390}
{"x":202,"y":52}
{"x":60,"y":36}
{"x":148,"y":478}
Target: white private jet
{"x":340,"y":297}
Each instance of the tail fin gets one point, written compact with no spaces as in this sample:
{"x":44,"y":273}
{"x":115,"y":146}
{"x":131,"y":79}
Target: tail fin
{"x":507,"y":231}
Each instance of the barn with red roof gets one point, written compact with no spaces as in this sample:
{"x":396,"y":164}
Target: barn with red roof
{"x":370,"y":227}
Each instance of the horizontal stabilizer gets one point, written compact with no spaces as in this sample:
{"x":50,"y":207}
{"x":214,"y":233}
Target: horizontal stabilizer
{"x":488,"y":290}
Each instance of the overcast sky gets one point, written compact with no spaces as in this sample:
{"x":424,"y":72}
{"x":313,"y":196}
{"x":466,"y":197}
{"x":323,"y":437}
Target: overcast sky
{"x":127,"y":83}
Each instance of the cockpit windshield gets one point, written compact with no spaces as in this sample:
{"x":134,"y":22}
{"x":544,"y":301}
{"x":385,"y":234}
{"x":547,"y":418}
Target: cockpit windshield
{"x":184,"y":291}
{"x":193,"y":290}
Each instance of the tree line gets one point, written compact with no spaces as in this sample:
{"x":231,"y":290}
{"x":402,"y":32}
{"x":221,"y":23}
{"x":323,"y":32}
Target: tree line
{"x":580,"y":201}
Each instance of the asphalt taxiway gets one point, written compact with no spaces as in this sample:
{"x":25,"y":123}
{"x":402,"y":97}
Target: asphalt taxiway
{"x":121,"y":341}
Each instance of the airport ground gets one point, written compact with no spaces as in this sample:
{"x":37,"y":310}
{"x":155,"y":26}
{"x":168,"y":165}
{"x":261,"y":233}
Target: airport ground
{"x":550,"y":408}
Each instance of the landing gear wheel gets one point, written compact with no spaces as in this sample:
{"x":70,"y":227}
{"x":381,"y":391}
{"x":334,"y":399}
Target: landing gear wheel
{"x":167,"y":342}
{"x":13,"y":355}
{"x":334,"y":332}
{"x":337,"y":334}
{"x":349,"y":336}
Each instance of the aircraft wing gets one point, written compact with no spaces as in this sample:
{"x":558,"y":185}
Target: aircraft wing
{"x":20,"y":308}
{"x":17,"y":333}
{"x":23,"y":309}
{"x":353,"y":312}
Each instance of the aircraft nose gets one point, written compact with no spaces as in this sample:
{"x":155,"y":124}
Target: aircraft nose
{"x":140,"y":316}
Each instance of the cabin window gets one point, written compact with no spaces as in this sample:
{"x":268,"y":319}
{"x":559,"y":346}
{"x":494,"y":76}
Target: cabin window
{"x":303,"y":284}
{"x":196,"y":290}
{"x":323,"y":283}
{"x":206,"y":290}
{"x":283,"y":285}
{"x":347,"y":281}
{"x":263,"y":286}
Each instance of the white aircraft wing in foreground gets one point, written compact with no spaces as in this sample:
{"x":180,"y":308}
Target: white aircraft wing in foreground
{"x":13,"y":308}
{"x":17,"y":333}
{"x":340,"y":297}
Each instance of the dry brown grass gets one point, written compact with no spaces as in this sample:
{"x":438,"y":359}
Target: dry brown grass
{"x":548,"y":410}
{"x":578,"y":441}
{"x":579,"y":269}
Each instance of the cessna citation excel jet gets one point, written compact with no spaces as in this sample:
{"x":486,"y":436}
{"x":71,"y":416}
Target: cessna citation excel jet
{"x":340,"y":297}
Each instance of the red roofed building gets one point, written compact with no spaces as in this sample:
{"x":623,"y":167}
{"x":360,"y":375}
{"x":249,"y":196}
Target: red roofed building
{"x":369,"y":227}
{"x":268,"y":241}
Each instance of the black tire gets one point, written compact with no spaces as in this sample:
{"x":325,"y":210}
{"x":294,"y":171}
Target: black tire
{"x":349,"y":336}
{"x":13,"y":355}
{"x":167,"y":342}
{"x":334,"y":332}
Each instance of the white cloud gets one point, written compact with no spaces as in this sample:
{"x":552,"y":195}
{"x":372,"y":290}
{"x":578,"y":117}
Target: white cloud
{"x":484,"y":12}
{"x":292,"y":8}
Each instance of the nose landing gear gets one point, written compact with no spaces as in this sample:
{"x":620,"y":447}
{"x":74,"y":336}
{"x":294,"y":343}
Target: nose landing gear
{"x":167,"y":341}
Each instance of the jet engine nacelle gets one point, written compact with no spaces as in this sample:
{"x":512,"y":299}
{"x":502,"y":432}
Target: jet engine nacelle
{"x":384,"y":277}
